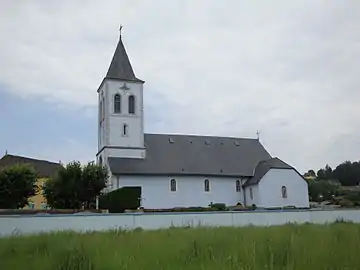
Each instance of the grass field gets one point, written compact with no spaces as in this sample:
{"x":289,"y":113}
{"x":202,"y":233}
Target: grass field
{"x":308,"y":247}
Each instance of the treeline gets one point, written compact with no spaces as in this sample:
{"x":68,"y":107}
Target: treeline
{"x":346,"y":173}
{"x":74,"y":187}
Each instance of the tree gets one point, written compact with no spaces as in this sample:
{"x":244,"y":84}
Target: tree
{"x":93,"y":182}
{"x":348,"y":173}
{"x":17,"y":184}
{"x":310,"y":173}
{"x":75,"y":186}
{"x":325,"y":174}
{"x":322,"y":190}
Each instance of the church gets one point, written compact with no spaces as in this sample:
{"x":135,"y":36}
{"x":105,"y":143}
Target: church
{"x":184,"y":170}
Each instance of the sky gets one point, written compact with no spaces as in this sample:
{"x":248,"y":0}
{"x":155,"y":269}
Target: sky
{"x":290,"y":69}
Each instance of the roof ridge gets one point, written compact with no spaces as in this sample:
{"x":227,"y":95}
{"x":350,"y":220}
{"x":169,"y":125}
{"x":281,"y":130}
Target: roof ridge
{"x":31,"y":159}
{"x":203,"y":136}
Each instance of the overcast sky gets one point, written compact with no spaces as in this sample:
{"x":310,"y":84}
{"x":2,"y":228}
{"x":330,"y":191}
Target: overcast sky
{"x":290,"y":69}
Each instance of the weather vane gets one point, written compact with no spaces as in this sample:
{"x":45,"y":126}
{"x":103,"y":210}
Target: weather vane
{"x":121,"y":27}
{"x":258,"y":134}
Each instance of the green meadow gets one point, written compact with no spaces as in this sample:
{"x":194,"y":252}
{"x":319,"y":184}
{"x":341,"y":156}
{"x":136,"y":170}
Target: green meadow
{"x":307,"y":247}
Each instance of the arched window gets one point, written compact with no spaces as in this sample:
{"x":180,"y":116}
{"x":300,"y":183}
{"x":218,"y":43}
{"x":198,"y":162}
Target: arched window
{"x":251,"y":194}
{"x":117,"y":103}
{"x":283,"y":192}
{"x":125,"y":130}
{"x":131,"y":104}
{"x":173,"y":185}
{"x":206,"y":185}
{"x":238,"y":186}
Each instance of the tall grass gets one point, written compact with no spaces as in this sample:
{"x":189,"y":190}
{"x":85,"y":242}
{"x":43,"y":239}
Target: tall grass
{"x":307,"y":247}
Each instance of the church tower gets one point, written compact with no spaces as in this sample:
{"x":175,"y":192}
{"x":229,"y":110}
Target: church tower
{"x":121,"y":114}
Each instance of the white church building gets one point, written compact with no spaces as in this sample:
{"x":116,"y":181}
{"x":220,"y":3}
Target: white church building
{"x":184,"y":170}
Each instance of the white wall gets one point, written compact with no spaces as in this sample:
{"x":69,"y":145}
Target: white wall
{"x":116,"y":121}
{"x":111,"y":133}
{"x":130,"y":153}
{"x":35,"y":224}
{"x":270,"y":189}
{"x":190,"y":190}
{"x":255,"y":199}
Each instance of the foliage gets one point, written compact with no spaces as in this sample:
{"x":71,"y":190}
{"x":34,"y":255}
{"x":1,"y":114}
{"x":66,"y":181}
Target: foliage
{"x":119,"y":200}
{"x":75,"y":186}
{"x":295,"y":247}
{"x":93,"y":182}
{"x":321,"y":190}
{"x":218,"y":206}
{"x":324,"y":174}
{"x":183,"y":209}
{"x":17,"y":184}
{"x":353,"y":197}
{"x":348,"y":173}
{"x":310,"y":173}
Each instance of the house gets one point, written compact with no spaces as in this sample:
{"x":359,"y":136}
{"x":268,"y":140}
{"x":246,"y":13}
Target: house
{"x":184,"y":170}
{"x":45,"y":170}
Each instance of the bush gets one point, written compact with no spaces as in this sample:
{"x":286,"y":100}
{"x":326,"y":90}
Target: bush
{"x":353,"y":196}
{"x":119,"y":200}
{"x":346,"y":203}
{"x":218,"y":206}
{"x":17,"y":185}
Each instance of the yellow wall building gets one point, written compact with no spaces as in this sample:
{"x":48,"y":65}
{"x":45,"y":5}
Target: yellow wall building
{"x":38,"y":201}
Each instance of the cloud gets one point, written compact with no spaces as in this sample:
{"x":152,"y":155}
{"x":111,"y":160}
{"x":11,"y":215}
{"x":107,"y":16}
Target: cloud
{"x":287,"y":68}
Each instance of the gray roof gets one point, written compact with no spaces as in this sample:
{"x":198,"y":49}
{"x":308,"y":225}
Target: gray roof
{"x":264,"y":166}
{"x":120,"y":66}
{"x":42,"y":167}
{"x":194,"y":155}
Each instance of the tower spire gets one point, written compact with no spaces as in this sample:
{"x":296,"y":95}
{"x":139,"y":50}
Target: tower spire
{"x":120,"y":67}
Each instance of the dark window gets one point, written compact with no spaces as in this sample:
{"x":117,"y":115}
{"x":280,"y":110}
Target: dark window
{"x":206,"y":185}
{"x":117,"y":103}
{"x":238,"y":186}
{"x":125,"y":130}
{"x":173,"y":185}
{"x":132,"y":104}
{"x":283,"y":192}
{"x":251,"y":194}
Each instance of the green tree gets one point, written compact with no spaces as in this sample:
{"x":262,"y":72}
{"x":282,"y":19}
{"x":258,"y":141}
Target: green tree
{"x":325,"y":174}
{"x":93,"y":182}
{"x":322,"y":190}
{"x":75,"y":186}
{"x":310,"y":173}
{"x":348,"y":173}
{"x":17,"y":184}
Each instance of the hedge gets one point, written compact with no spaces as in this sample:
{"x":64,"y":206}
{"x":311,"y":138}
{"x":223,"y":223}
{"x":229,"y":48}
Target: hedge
{"x":117,"y":201}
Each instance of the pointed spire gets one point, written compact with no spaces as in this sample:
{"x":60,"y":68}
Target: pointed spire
{"x":120,"y":66}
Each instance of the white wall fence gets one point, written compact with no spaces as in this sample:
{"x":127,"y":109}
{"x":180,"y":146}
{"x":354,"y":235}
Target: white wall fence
{"x":10,"y":225}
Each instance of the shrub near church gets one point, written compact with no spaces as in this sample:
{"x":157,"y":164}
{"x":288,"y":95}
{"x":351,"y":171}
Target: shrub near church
{"x":17,"y":185}
{"x":76,"y":186}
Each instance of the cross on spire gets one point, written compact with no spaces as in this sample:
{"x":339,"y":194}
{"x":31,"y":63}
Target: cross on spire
{"x":120,"y":29}
{"x":258,"y":134}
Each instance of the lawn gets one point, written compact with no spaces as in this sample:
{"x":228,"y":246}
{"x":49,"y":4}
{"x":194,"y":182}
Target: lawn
{"x":306,"y":247}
